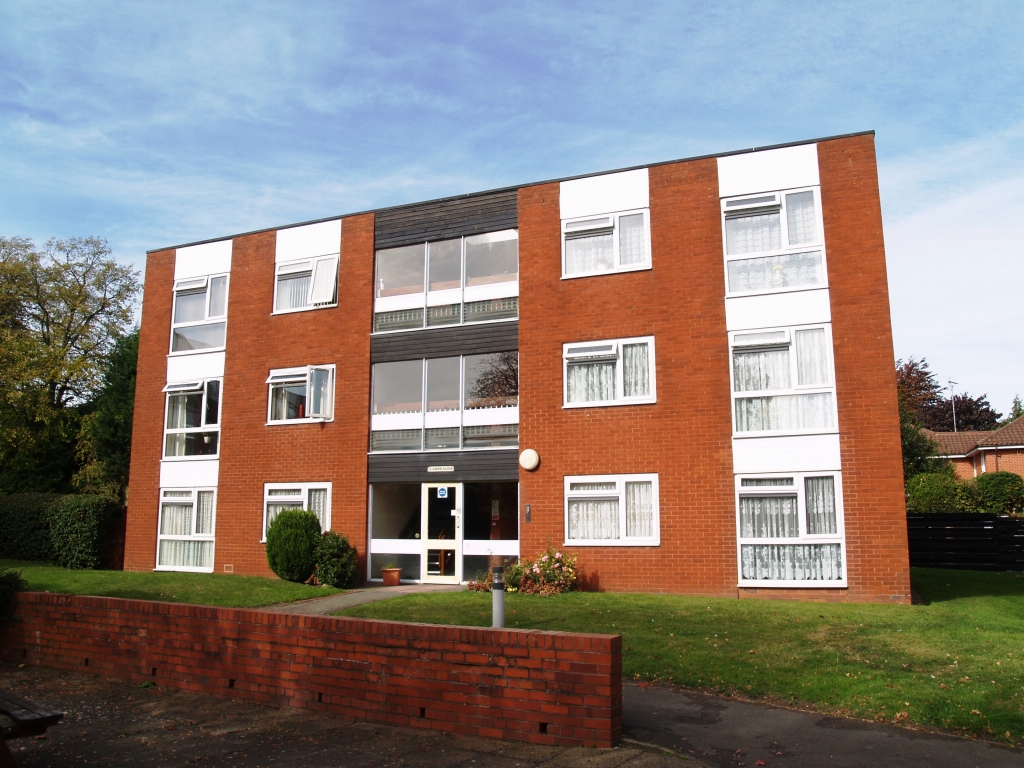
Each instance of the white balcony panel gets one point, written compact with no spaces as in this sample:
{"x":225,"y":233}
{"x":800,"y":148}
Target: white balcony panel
{"x":443,"y":298}
{"x":188,"y":474}
{"x":772,"y":310}
{"x":395,"y":303}
{"x":437,"y":419}
{"x":505,"y":548}
{"x":396,"y":546}
{"x":607,"y":193}
{"x":192,"y":367}
{"x":491,"y":291}
{"x":202,"y":260}
{"x":767,"y":171}
{"x":308,"y":241}
{"x":479,"y":417}
{"x":789,"y":453}
{"x":382,"y":421}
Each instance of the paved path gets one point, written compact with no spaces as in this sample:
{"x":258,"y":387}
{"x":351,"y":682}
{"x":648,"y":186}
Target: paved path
{"x":325,"y":605}
{"x":726,"y":732}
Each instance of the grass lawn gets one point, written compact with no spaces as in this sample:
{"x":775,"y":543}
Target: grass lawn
{"x":957,"y":662}
{"x":197,"y":588}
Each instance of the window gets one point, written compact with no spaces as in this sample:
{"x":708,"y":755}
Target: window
{"x":446,"y":403}
{"x":612,"y":510}
{"x":315,"y":497}
{"x":448,"y":282}
{"x":782,"y":381}
{"x":185,"y":532}
{"x":192,"y":426}
{"x":790,"y":530}
{"x":773,"y":242}
{"x":611,"y":372}
{"x":199,"y":314}
{"x":301,"y":394}
{"x":307,"y":284}
{"x":615,"y":242}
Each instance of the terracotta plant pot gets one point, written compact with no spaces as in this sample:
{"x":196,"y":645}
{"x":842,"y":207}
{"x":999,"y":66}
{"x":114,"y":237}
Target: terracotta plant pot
{"x":392,"y":576}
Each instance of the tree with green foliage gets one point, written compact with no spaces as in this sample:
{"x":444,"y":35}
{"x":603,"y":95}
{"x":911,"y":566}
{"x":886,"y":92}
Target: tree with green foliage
{"x":292,"y":539}
{"x":336,"y":563}
{"x":1001,"y":492}
{"x":916,"y":389}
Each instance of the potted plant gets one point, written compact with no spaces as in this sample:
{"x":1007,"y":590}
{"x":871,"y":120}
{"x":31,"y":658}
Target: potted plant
{"x":392,"y":575}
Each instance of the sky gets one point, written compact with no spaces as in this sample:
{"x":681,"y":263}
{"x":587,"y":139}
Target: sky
{"x":155,"y":124}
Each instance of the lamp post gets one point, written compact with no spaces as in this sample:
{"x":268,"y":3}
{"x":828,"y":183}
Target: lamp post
{"x":952,"y":400}
{"x":498,"y":597}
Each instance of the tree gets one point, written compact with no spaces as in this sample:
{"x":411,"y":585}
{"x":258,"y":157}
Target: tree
{"x":498,"y":379}
{"x":916,"y":386}
{"x":916,"y":390}
{"x":972,"y":413}
{"x":1016,"y":411}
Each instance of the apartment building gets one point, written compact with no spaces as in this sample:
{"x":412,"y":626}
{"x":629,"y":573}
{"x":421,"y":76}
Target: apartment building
{"x":681,"y":372}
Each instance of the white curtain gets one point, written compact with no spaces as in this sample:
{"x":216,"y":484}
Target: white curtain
{"x":765,"y":482}
{"x":186,"y":554}
{"x":589,"y":254}
{"x":639,"y":510}
{"x":204,"y":513}
{"x":631,"y":239}
{"x":293,"y":290}
{"x":190,"y":307}
{"x":821,"y":505}
{"x":788,"y":270}
{"x":591,"y":382}
{"x":759,"y":414}
{"x":768,"y":517}
{"x":803,"y":224}
{"x":176,"y":520}
{"x":792,"y":562}
{"x":318,"y":505}
{"x":812,"y":357}
{"x":593,"y":519}
{"x":273,"y":510}
{"x":752,"y":234}
{"x":198,"y":337}
{"x":636,"y":380}
{"x":761,"y":369}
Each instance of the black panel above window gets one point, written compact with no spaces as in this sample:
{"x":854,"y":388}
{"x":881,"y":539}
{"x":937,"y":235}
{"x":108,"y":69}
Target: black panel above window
{"x":445,"y":342}
{"x":443,"y":219}
{"x":466,"y":466}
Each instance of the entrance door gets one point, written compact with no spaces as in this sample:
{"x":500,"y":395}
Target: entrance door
{"x":442,"y":528}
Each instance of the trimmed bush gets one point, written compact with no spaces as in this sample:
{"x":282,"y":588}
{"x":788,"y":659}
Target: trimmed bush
{"x":291,"y":544}
{"x":11,"y":584}
{"x":932,"y":492}
{"x":551,"y":573}
{"x":25,"y":527}
{"x":1001,"y":492}
{"x":335,"y":561}
{"x":80,"y":528}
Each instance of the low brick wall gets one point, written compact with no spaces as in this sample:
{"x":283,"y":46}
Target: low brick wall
{"x":541,"y":687}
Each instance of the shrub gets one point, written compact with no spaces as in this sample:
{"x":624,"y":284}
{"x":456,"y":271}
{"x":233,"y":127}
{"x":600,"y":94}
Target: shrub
{"x":551,"y":573}
{"x":11,"y":584}
{"x":335,"y":561}
{"x":932,"y":492}
{"x":25,"y":526}
{"x":1001,"y":492}
{"x":291,"y":544}
{"x":80,"y":528}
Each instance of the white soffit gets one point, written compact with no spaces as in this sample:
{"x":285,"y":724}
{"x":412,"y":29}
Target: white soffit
{"x":605,"y":194}
{"x":209,"y":365}
{"x":202,"y":260}
{"x":201,"y":473}
{"x":768,"y":170}
{"x":771,"y":310}
{"x":789,"y":453}
{"x":308,"y":241}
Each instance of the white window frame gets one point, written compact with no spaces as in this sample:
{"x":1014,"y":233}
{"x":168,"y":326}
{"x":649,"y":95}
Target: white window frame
{"x":292,"y":266}
{"x":620,"y":491}
{"x":194,"y":501}
{"x":620,"y":399}
{"x":818,"y":245}
{"x":198,"y":385}
{"x":614,"y":216}
{"x":302,"y":498}
{"x":189,"y":285}
{"x":799,"y":489}
{"x":795,"y":388}
{"x":295,"y":376}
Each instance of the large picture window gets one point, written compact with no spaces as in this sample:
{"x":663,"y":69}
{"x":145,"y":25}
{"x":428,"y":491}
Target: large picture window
{"x":314,"y":497}
{"x":614,"y":242}
{"x":301,"y":394}
{"x":186,"y":527}
{"x":610,"y":372}
{"x":199,"y":315}
{"x":612,"y":510}
{"x":306,"y":284}
{"x":782,"y":381}
{"x":790,"y":530}
{"x":773,"y":242}
{"x":192,"y":423}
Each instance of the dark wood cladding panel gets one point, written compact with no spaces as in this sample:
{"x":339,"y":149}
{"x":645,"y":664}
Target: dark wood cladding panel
{"x":470,"y":466}
{"x":443,"y":219}
{"x":445,"y":342}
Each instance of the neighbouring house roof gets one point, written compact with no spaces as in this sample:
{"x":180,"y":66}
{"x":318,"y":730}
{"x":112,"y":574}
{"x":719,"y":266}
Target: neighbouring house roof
{"x":964,"y":443}
{"x":1011,"y":434}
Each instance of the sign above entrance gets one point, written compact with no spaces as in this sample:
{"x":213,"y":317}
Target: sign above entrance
{"x":441,"y":469}
{"x":442,"y":493}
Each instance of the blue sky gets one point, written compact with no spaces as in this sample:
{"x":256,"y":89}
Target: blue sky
{"x":153,"y":124}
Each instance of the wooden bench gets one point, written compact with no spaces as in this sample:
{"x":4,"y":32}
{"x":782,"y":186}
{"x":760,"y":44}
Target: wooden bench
{"x":21,"y":717}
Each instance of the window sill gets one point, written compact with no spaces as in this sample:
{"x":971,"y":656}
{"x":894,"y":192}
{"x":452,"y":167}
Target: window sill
{"x":287,"y":422}
{"x":191,"y":458}
{"x":618,"y":271}
{"x":840,"y":584}
{"x":196,"y":351}
{"x":302,"y":309}
{"x":785,"y":433}
{"x":612,"y":403}
{"x":613,"y":543}
{"x":442,"y":451}
{"x":452,"y":325}
{"x":776,"y":291}
{"x":182,"y":569}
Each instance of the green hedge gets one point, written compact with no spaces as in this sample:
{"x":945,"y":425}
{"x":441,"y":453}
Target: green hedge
{"x":292,"y":539}
{"x":1001,"y":492}
{"x":73,"y":531}
{"x":336,"y":563}
{"x":11,"y":584}
{"x":25,"y":527}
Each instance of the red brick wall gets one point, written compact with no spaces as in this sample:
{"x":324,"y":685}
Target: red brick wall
{"x":877,"y":564}
{"x":685,"y":437}
{"x":540,"y":687}
{"x":964,"y":468}
{"x":147,"y":426}
{"x":1005,"y":461}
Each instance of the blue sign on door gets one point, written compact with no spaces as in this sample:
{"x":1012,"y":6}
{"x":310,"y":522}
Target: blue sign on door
{"x":442,"y":493}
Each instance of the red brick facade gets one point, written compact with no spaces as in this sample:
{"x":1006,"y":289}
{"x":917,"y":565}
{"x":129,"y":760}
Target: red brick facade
{"x":538,"y":687}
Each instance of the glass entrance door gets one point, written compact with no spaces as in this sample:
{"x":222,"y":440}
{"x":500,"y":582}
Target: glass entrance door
{"x":442,"y":528}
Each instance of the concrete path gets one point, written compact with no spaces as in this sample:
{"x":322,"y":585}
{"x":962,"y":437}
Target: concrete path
{"x":725,"y":732}
{"x":332,"y":603}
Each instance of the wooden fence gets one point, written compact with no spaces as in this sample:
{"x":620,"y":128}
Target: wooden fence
{"x":966,"y":541}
